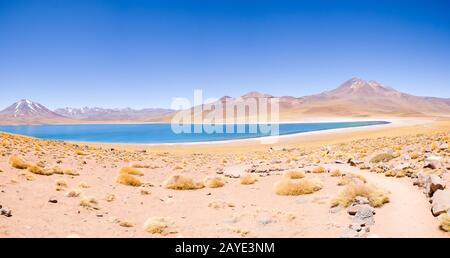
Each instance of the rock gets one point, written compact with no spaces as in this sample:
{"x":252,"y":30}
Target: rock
{"x":360,"y":200}
{"x":6,"y":212}
{"x":364,"y":217}
{"x":353,"y":210}
{"x":432,"y":184}
{"x":443,"y":146}
{"x":440,"y":202}
{"x":420,"y":179}
{"x":339,"y":162}
{"x":432,"y":164}
{"x":354,"y":162}
{"x":52,"y":200}
{"x":235,"y":171}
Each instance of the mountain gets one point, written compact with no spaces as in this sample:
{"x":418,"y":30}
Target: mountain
{"x":353,"y":98}
{"x":28,"y":112}
{"x":27,"y":108}
{"x":105,"y":114}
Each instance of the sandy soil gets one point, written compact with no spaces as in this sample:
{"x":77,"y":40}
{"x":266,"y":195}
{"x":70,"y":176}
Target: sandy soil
{"x":234,"y":210}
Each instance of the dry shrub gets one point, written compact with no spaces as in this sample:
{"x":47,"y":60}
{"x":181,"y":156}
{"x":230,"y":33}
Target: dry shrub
{"x":60,"y":184}
{"x":414,"y":155}
{"x":383,"y":157}
{"x":110,"y":197}
{"x":297,"y":186}
{"x":336,"y":173}
{"x":213,"y":182}
{"x":294,"y":174}
{"x":126,"y":179}
{"x":83,"y":185}
{"x":80,"y":153}
{"x":220,"y":205}
{"x":445,"y":222}
{"x":179,"y":182}
{"x":71,"y":172}
{"x":319,"y":170}
{"x":73,"y":193}
{"x":89,"y":203}
{"x":248,"y":179}
{"x":131,"y":171}
{"x":18,"y":163}
{"x":57,"y":170}
{"x":160,"y":225}
{"x":351,"y":178}
{"x":376,"y":196}
{"x":38,"y":170}
{"x":144,"y":190}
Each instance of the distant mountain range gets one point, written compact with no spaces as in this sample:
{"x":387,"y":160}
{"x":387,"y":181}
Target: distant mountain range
{"x":108,"y":114}
{"x":354,"y":98}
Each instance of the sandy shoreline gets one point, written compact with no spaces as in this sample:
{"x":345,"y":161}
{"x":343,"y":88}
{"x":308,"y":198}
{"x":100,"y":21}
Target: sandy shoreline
{"x":294,"y":140}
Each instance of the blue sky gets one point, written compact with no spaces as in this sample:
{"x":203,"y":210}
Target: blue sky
{"x":142,"y":53}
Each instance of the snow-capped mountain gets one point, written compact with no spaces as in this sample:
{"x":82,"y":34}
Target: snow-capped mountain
{"x":97,"y":113}
{"x":28,"y":109}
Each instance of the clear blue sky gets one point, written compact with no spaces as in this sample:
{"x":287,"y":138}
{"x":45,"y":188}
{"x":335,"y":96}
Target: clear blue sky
{"x":143,"y":53}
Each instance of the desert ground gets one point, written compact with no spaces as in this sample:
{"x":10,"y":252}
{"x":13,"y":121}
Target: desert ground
{"x":377,"y":181}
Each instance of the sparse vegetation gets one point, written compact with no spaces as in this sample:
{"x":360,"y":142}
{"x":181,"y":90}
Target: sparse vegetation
{"x":248,"y":179}
{"x":376,"y":196}
{"x":214,"y":182}
{"x":445,"y":222}
{"x":131,"y":171}
{"x":18,"y":163}
{"x":126,"y":179}
{"x":383,"y":157}
{"x":179,"y":182}
{"x":60,"y":184}
{"x":297,"y":186}
{"x":89,"y":202}
{"x":294,"y":174}
{"x":319,"y":170}
{"x":335,"y":173}
{"x":159,"y":225}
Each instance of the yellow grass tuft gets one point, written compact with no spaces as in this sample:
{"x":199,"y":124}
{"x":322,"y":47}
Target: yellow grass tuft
{"x":60,"y":184}
{"x":159,"y":225}
{"x":383,"y":157}
{"x":130,"y":180}
{"x":110,"y":197}
{"x":71,"y":172}
{"x":144,"y":190}
{"x":336,"y":173}
{"x":248,"y":179}
{"x":294,"y":174}
{"x":297,"y":186}
{"x":445,"y":222}
{"x":18,"y":163}
{"x":73,"y":193}
{"x":89,"y":203}
{"x":131,"y":171}
{"x":57,"y":170}
{"x":376,"y":196}
{"x":179,"y":182}
{"x":213,"y":182}
{"x":414,"y":155}
{"x":83,"y":185}
{"x":38,"y":170}
{"x":319,"y":170}
{"x":351,"y":178}
{"x":80,"y":153}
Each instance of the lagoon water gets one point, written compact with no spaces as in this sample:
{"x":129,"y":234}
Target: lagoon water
{"x":160,"y":133}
